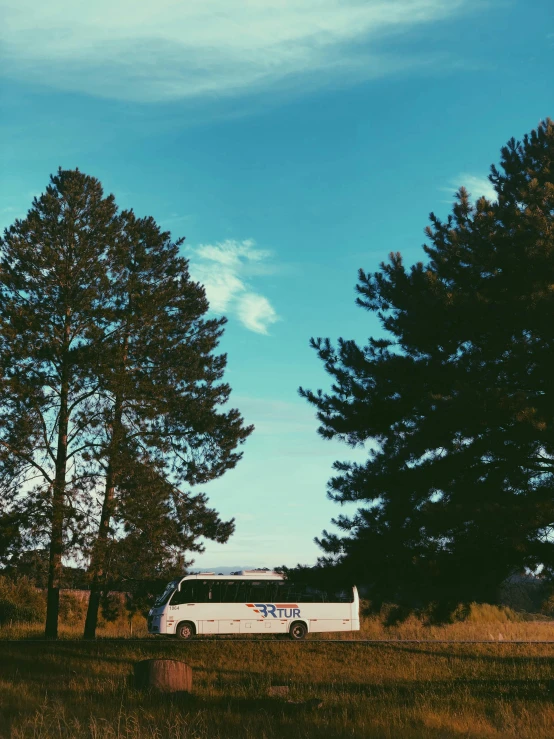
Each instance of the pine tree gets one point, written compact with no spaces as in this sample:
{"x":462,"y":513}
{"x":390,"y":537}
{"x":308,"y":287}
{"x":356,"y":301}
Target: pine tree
{"x":455,"y":402}
{"x":163,"y":382}
{"x":54,"y":290}
{"x":159,"y":526}
{"x":108,"y":365}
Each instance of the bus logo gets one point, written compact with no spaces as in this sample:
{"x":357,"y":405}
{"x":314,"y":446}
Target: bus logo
{"x":277,"y":610}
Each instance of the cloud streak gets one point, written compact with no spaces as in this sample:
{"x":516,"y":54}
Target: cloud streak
{"x":476,"y":185}
{"x":226,"y":270}
{"x":167,"y":50}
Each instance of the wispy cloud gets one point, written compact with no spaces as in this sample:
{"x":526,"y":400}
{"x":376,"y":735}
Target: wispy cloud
{"x":273,"y":417}
{"x":166,"y":50}
{"x":476,"y":185}
{"x":226,"y":270}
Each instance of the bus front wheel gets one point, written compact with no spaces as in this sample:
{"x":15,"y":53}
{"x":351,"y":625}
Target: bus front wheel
{"x":298,"y":631}
{"x":185,"y":630}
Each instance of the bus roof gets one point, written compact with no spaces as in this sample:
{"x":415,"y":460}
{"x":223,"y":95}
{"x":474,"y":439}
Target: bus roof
{"x":244,"y":575}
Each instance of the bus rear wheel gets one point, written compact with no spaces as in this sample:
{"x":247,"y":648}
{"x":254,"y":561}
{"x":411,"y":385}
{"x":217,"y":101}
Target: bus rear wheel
{"x":298,"y":631}
{"x":185,"y":630}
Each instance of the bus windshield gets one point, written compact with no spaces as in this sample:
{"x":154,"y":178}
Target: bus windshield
{"x":165,"y":596}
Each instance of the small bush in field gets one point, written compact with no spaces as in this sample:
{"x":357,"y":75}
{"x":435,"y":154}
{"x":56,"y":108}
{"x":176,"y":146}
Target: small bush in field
{"x":72,"y":608}
{"x":486,"y":613}
{"x":547,"y":606}
{"x":460,"y":613}
{"x":392,"y":615}
{"x":20,"y":601}
{"x":113,"y":607}
{"x":11,"y":612}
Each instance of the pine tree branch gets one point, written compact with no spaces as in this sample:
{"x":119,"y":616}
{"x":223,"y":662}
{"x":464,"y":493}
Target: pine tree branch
{"x":77,"y":428}
{"x":83,"y":397}
{"x":28,"y":459}
{"x":45,"y":436}
{"x":88,"y":445}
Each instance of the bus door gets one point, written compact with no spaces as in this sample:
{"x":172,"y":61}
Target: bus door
{"x":182,"y":606}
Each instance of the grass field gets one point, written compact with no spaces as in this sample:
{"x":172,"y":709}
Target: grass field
{"x":434,"y":690}
{"x":76,"y":689}
{"x":483,"y":622}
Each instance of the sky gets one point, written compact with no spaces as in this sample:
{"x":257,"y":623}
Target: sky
{"x":291,"y":142}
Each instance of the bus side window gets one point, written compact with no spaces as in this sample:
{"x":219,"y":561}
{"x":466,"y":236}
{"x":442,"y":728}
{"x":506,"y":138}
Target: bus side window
{"x":294,"y":593}
{"x":258,"y":592}
{"x":242,"y":593}
{"x":203,"y":592}
{"x":185,"y":595}
{"x":229,"y":591}
{"x":217,"y":591}
{"x":274,"y":592}
{"x":313,"y":595}
{"x":283,"y":591}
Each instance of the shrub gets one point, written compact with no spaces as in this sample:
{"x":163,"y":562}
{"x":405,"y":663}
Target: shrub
{"x":486,"y":613}
{"x":113,"y":607}
{"x":72,"y":607}
{"x":20,"y":601}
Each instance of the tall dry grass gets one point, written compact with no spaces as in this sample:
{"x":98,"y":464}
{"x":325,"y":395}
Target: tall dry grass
{"x":23,"y":608}
{"x":23,"y":611}
{"x":480,"y":622}
{"x":74,"y":689}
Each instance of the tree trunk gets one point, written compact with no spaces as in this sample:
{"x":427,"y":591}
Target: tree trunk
{"x":98,"y":559}
{"x":58,"y":496}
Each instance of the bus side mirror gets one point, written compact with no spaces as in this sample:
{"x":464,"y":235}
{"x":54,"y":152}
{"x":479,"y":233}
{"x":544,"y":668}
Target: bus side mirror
{"x":179,"y":587}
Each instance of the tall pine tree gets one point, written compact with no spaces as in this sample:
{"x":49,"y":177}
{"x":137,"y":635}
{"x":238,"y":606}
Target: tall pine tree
{"x":162,"y":379}
{"x":455,"y":402}
{"x":54,"y":290}
{"x":108,"y":367}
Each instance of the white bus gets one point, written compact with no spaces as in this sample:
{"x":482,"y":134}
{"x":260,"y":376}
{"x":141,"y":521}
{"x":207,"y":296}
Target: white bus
{"x":250,"y":603}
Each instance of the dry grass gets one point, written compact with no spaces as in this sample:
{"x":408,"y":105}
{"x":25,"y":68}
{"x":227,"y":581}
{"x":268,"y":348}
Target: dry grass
{"x":68,"y":629}
{"x":434,"y":691}
{"x":481,"y":623}
{"x":75,"y":689}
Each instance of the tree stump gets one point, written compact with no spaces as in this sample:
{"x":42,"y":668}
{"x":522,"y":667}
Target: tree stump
{"x":163,"y":675}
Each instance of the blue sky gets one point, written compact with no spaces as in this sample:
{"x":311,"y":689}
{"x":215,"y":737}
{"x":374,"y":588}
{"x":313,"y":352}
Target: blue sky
{"x":291,"y":142}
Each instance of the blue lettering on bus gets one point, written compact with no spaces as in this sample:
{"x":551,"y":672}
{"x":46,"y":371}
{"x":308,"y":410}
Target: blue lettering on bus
{"x":269,"y":609}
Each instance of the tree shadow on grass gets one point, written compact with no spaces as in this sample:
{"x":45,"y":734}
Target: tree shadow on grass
{"x":47,"y":668}
{"x":500,"y":658}
{"x":411,"y":691}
